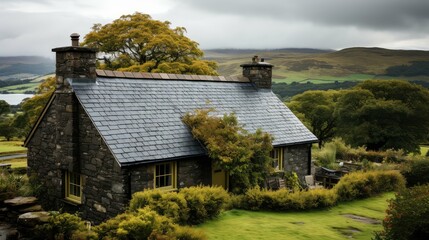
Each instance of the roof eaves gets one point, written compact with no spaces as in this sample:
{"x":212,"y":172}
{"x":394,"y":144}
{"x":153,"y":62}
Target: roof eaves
{"x":297,"y":143}
{"x":135,"y":163}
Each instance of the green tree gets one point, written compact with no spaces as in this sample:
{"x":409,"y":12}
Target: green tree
{"x":383,"y":114}
{"x":316,"y":110}
{"x":244,"y":155}
{"x":4,"y":107}
{"x":6,"y":129}
{"x":139,"y":43}
{"x":33,"y":107}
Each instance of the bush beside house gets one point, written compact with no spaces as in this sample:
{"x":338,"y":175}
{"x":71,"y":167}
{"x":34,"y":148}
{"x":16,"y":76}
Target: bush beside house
{"x":407,"y":216}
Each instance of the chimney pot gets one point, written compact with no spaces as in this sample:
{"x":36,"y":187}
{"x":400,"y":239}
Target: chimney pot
{"x":75,"y":39}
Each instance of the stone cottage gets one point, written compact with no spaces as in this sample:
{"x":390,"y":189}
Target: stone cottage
{"x":106,"y":134}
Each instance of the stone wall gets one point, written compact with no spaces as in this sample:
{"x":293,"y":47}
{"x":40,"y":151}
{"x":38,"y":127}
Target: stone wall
{"x":104,"y":191}
{"x":259,"y":73}
{"x":66,"y":140}
{"x":296,"y":159}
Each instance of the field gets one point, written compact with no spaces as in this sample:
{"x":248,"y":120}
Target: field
{"x":30,"y":86}
{"x":7,"y":147}
{"x":356,"y":220}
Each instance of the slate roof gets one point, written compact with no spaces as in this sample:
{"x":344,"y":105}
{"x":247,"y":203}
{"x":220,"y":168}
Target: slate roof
{"x":140,"y":119}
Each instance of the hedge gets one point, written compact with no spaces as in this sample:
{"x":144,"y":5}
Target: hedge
{"x":358,"y":185}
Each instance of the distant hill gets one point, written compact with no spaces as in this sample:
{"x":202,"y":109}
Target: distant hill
{"x":18,"y":65}
{"x":320,"y":66}
{"x":312,"y":64}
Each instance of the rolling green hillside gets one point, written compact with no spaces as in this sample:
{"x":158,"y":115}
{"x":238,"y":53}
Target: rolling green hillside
{"x":322,"y":66}
{"x":21,"y":74}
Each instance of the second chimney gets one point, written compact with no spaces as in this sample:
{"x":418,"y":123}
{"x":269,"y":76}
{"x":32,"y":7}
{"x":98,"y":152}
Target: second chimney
{"x":258,"y":72}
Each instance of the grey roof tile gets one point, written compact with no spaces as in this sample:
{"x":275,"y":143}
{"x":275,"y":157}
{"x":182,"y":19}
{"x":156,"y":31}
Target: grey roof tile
{"x":140,"y":119}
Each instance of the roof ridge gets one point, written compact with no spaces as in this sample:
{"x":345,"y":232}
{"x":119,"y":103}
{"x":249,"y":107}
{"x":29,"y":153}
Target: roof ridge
{"x":168,"y":76}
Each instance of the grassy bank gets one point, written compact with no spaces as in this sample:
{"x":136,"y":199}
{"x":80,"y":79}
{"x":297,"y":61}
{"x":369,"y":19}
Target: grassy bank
{"x":357,"y":220}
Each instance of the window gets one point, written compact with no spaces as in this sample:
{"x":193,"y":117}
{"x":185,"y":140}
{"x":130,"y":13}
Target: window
{"x":277,"y":155}
{"x":165,"y":175}
{"x":74,"y":187}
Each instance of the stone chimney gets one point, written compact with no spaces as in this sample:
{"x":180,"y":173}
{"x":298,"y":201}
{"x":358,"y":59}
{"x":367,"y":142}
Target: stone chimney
{"x":258,"y":72}
{"x":74,"y":63}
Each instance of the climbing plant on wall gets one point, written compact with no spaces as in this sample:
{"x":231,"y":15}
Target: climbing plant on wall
{"x":244,"y":155}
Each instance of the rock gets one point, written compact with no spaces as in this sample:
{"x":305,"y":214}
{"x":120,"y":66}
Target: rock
{"x":32,"y":219}
{"x":20,"y":201}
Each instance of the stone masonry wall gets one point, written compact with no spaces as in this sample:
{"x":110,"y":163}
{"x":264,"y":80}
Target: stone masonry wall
{"x":296,"y":159}
{"x":65,"y":143}
{"x":104,"y":182}
{"x":259,"y":74}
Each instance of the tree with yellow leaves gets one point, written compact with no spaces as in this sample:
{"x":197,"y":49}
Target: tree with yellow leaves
{"x":141,"y":44}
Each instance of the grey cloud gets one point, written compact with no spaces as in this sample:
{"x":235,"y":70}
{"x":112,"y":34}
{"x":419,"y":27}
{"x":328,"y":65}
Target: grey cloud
{"x":374,"y":14}
{"x":38,"y":33}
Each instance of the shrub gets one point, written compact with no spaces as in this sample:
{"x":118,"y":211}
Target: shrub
{"x":407,"y":216}
{"x":357,"y":185}
{"x":60,"y":226}
{"x":416,"y":172}
{"x":326,"y":156}
{"x":283,"y":200}
{"x":145,"y":223}
{"x":169,"y":204}
{"x":204,"y":202}
{"x":189,"y":206}
{"x":12,"y":185}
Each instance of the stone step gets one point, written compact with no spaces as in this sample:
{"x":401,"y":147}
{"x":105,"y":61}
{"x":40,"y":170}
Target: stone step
{"x":32,"y":219}
{"x":20,"y":202}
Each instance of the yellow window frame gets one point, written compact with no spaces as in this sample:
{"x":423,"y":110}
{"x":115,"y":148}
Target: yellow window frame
{"x":74,"y":186}
{"x":277,"y":155}
{"x":160,"y":176}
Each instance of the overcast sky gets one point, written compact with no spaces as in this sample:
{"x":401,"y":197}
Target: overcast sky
{"x":34,"y":27}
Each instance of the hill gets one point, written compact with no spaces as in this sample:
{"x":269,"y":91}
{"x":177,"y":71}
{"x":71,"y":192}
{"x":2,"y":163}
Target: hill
{"x":30,"y":65}
{"x":22,"y":74}
{"x":327,"y":69}
{"x":316,"y":65}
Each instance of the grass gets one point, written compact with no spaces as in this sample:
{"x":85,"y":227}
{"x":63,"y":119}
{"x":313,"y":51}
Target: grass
{"x":16,"y":162}
{"x":316,"y":224}
{"x":424,"y":149}
{"x":21,"y":88}
{"x":10,"y":147}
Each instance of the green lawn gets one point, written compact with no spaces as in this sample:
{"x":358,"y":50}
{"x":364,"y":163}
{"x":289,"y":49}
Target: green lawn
{"x":11,"y":147}
{"x":317,"y":224}
{"x":424,"y":150}
{"x":16,"y":162}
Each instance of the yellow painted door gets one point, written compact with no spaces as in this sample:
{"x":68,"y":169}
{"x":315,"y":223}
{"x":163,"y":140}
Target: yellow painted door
{"x":219,"y":177}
